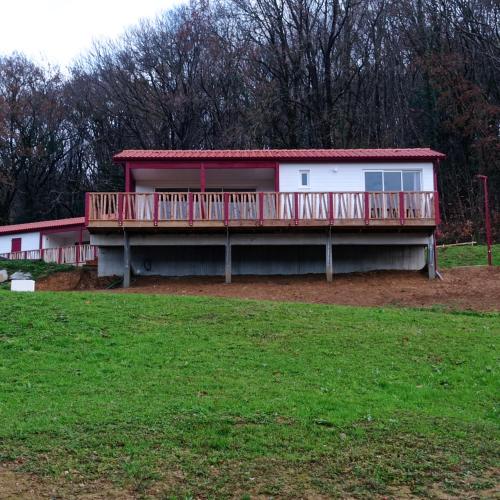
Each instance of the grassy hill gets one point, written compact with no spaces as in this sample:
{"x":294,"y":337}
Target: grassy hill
{"x":468,"y":255}
{"x":228,"y":397}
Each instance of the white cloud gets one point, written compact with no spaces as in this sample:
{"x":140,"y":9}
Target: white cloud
{"x":56,"y":31}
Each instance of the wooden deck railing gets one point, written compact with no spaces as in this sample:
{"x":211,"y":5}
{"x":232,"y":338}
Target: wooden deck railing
{"x":74,"y":254}
{"x":262,"y":208}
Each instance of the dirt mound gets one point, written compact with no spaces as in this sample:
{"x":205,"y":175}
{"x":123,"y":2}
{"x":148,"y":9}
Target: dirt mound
{"x":473,"y":288}
{"x":77,"y":279}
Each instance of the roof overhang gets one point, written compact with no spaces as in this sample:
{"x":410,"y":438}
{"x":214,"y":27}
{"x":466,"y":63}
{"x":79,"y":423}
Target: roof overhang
{"x":279,"y":155}
{"x":71,"y":224}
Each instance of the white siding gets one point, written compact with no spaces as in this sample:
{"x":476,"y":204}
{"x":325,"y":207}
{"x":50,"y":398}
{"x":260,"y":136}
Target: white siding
{"x":29,"y":241}
{"x":344,"y":177}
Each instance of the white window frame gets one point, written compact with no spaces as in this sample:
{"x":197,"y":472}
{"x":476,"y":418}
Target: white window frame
{"x":308,"y":174}
{"x":400,"y":171}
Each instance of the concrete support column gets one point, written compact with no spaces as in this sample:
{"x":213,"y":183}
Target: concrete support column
{"x":329,"y":256}
{"x":227,"y":266}
{"x":431,"y":257}
{"x":126,"y":259}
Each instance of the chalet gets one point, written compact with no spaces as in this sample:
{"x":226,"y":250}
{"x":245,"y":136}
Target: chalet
{"x":267,"y":212}
{"x":63,"y":241}
{"x":236,"y":212}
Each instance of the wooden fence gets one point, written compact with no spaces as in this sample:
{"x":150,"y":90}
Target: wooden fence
{"x":74,"y":254}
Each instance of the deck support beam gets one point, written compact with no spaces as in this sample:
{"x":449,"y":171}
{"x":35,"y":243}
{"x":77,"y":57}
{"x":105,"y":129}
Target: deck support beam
{"x":329,"y":256}
{"x":227,"y":263}
{"x":431,"y":257}
{"x":126,"y":260}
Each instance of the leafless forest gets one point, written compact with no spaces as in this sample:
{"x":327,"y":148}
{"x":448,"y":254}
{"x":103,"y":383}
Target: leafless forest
{"x":262,"y":74}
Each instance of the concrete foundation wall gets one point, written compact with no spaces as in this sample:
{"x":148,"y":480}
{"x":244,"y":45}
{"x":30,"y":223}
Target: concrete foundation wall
{"x":260,"y":260}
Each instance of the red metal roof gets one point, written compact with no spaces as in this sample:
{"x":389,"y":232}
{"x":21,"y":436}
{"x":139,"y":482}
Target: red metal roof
{"x":279,"y":154}
{"x":46,"y":224}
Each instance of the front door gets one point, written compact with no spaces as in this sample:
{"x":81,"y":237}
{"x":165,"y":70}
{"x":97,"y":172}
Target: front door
{"x":15,"y":245}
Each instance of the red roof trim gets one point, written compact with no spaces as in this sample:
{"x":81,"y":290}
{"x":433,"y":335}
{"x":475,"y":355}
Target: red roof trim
{"x":412,"y":154}
{"x":30,"y":227}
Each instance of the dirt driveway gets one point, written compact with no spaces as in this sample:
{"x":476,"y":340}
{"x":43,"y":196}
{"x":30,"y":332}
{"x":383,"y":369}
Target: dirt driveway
{"x":473,"y":288}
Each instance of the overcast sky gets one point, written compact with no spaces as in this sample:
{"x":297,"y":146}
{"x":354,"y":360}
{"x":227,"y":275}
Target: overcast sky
{"x":56,"y":31}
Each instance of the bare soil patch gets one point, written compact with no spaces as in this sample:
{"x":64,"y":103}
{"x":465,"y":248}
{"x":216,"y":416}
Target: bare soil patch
{"x":15,"y":485}
{"x":76,"y":279}
{"x":288,"y":483}
{"x":472,"y":288}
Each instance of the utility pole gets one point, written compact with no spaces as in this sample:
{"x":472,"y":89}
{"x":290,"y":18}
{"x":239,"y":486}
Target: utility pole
{"x":484,"y":180}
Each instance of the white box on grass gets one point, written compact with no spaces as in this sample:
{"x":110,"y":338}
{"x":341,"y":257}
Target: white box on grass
{"x":22,"y":286}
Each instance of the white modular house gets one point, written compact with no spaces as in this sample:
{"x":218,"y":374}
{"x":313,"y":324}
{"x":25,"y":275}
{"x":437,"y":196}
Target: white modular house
{"x":225,"y":212}
{"x":63,"y":241}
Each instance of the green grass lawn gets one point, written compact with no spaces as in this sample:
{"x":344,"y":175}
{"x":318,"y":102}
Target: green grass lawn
{"x":467,"y":256}
{"x":214,"y":396}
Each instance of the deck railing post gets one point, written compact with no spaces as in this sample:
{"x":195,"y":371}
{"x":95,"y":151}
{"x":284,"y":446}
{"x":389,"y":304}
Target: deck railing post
{"x":401,"y":207}
{"x":190,"y":208}
{"x":155,"y":209}
{"x":437,"y":216}
{"x":87,"y":209}
{"x":296,"y":207}
{"x":120,"y":208}
{"x":226,"y":209}
{"x":261,"y":208}
{"x":59,"y":256}
{"x":367,"y":207}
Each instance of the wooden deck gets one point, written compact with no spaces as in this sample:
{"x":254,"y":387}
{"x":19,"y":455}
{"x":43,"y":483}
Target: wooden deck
{"x":169,"y":210}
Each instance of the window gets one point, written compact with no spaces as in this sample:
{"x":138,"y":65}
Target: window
{"x":411,"y":181}
{"x":392,"y":180}
{"x":374,"y":181}
{"x":304,"y":178}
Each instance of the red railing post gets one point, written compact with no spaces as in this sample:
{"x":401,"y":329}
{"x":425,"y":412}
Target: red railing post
{"x":261,"y":208}
{"x":87,"y":209}
{"x":120,"y":208}
{"x":401,"y":207}
{"x":155,"y":209}
{"x":367,"y":207}
{"x":296,"y":207}
{"x":226,"y":209}
{"x":59,"y":256}
{"x":331,"y":215}
{"x":437,"y":214}
{"x":190,"y":208}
